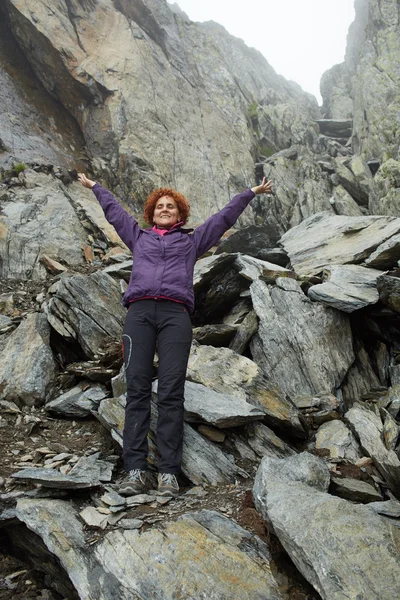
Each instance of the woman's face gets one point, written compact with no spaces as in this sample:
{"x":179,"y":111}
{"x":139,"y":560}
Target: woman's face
{"x":166,"y":213}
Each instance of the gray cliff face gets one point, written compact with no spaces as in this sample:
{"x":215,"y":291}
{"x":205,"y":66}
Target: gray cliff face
{"x":367,"y":83}
{"x":161,"y":100}
{"x":34,"y":127}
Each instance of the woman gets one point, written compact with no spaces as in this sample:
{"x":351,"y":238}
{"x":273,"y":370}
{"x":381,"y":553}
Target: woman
{"x":159,"y":300}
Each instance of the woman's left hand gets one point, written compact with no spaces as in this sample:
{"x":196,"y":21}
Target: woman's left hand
{"x":265,"y":187}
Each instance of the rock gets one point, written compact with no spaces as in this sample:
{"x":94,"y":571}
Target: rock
{"x":360,"y":378}
{"x":324,"y":535}
{"x":385,"y":194}
{"x":38,"y":222}
{"x":386,"y":255}
{"x":224,"y":560}
{"x":323,"y":240}
{"x":27,"y":367}
{"x":212,"y":433}
{"x":91,"y":467}
{"x":368,"y":428}
{"x":336,"y":127}
{"x":259,"y":241}
{"x":53,"y":266}
{"x":227,"y":372}
{"x":389,"y":508}
{"x":389,"y":291}
{"x":265,"y":442}
{"x":374,"y":79}
{"x":244,"y":333}
{"x":87,"y":309}
{"x":6,"y":304}
{"x":130,"y":523}
{"x":351,"y":184}
{"x":214,"y":335}
{"x":338,"y":440}
{"x":303,"y":346}
{"x":335,"y":86}
{"x":354,"y":490}
{"x":141,"y":153}
{"x":93,"y":517}
{"x":362,"y":173}
{"x":111,"y":498}
{"x":50,"y":478}
{"x":301,"y":189}
{"x":348,"y":288}
{"x":392,"y":401}
{"x":343,"y":203}
{"x":121,"y":269}
{"x":391,"y":430}
{"x":78,"y":401}
{"x":203,"y":405}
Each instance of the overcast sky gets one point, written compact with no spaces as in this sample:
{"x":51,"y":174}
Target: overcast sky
{"x":300,"y":38}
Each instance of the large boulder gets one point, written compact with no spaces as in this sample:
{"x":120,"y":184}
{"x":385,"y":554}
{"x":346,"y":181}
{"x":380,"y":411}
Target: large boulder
{"x":27,"y":366}
{"x":87,"y":309}
{"x":343,"y":550}
{"x":304,"y":347}
{"x":201,"y":554}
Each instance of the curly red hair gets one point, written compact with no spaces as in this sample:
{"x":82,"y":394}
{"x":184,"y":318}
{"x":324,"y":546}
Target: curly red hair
{"x":181,"y":202}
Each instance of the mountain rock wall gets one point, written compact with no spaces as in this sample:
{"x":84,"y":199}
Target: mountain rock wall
{"x":161,"y":100}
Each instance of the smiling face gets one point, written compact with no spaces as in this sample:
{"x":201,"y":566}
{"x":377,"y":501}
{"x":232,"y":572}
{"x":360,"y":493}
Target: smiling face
{"x":166,"y":213}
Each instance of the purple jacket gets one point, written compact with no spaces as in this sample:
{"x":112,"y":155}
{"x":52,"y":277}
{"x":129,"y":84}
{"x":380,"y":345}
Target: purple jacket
{"x":163,"y":264}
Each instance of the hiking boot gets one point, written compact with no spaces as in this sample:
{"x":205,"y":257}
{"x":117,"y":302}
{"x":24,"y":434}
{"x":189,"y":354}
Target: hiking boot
{"x":138,"y":482}
{"x":167,"y":485}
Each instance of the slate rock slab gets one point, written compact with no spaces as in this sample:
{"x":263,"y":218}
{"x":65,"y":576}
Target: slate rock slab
{"x":369,"y":429}
{"x":348,"y":288}
{"x":303,"y":347}
{"x":226,"y":372}
{"x":204,"y":405}
{"x":342,"y":549}
{"x":79,"y":401}
{"x":355,"y":490}
{"x":54,"y":479}
{"x":202,"y":554}
{"x":27,"y":366}
{"x":87,"y":309}
{"x":324,"y":239}
{"x":337,"y":438}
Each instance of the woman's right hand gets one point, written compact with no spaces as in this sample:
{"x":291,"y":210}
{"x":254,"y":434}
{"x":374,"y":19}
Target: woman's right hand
{"x":88,"y":183}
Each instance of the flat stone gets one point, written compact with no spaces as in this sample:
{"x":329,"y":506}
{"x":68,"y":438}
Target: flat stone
{"x":79,"y":401}
{"x":204,"y":405}
{"x":130,"y":523}
{"x":389,"y":508}
{"x":93,"y":517}
{"x":113,"y":499}
{"x":93,"y":468}
{"x":212,"y":433}
{"x":214,"y":335}
{"x":355,"y":490}
{"x":54,"y":479}
{"x":324,"y":239}
{"x":348,"y":288}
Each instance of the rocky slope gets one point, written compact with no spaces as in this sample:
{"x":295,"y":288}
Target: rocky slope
{"x":291,"y":464}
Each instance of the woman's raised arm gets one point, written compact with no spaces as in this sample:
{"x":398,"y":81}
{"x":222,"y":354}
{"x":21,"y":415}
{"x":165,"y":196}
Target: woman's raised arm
{"x":208,"y":234}
{"x":124,"y":223}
